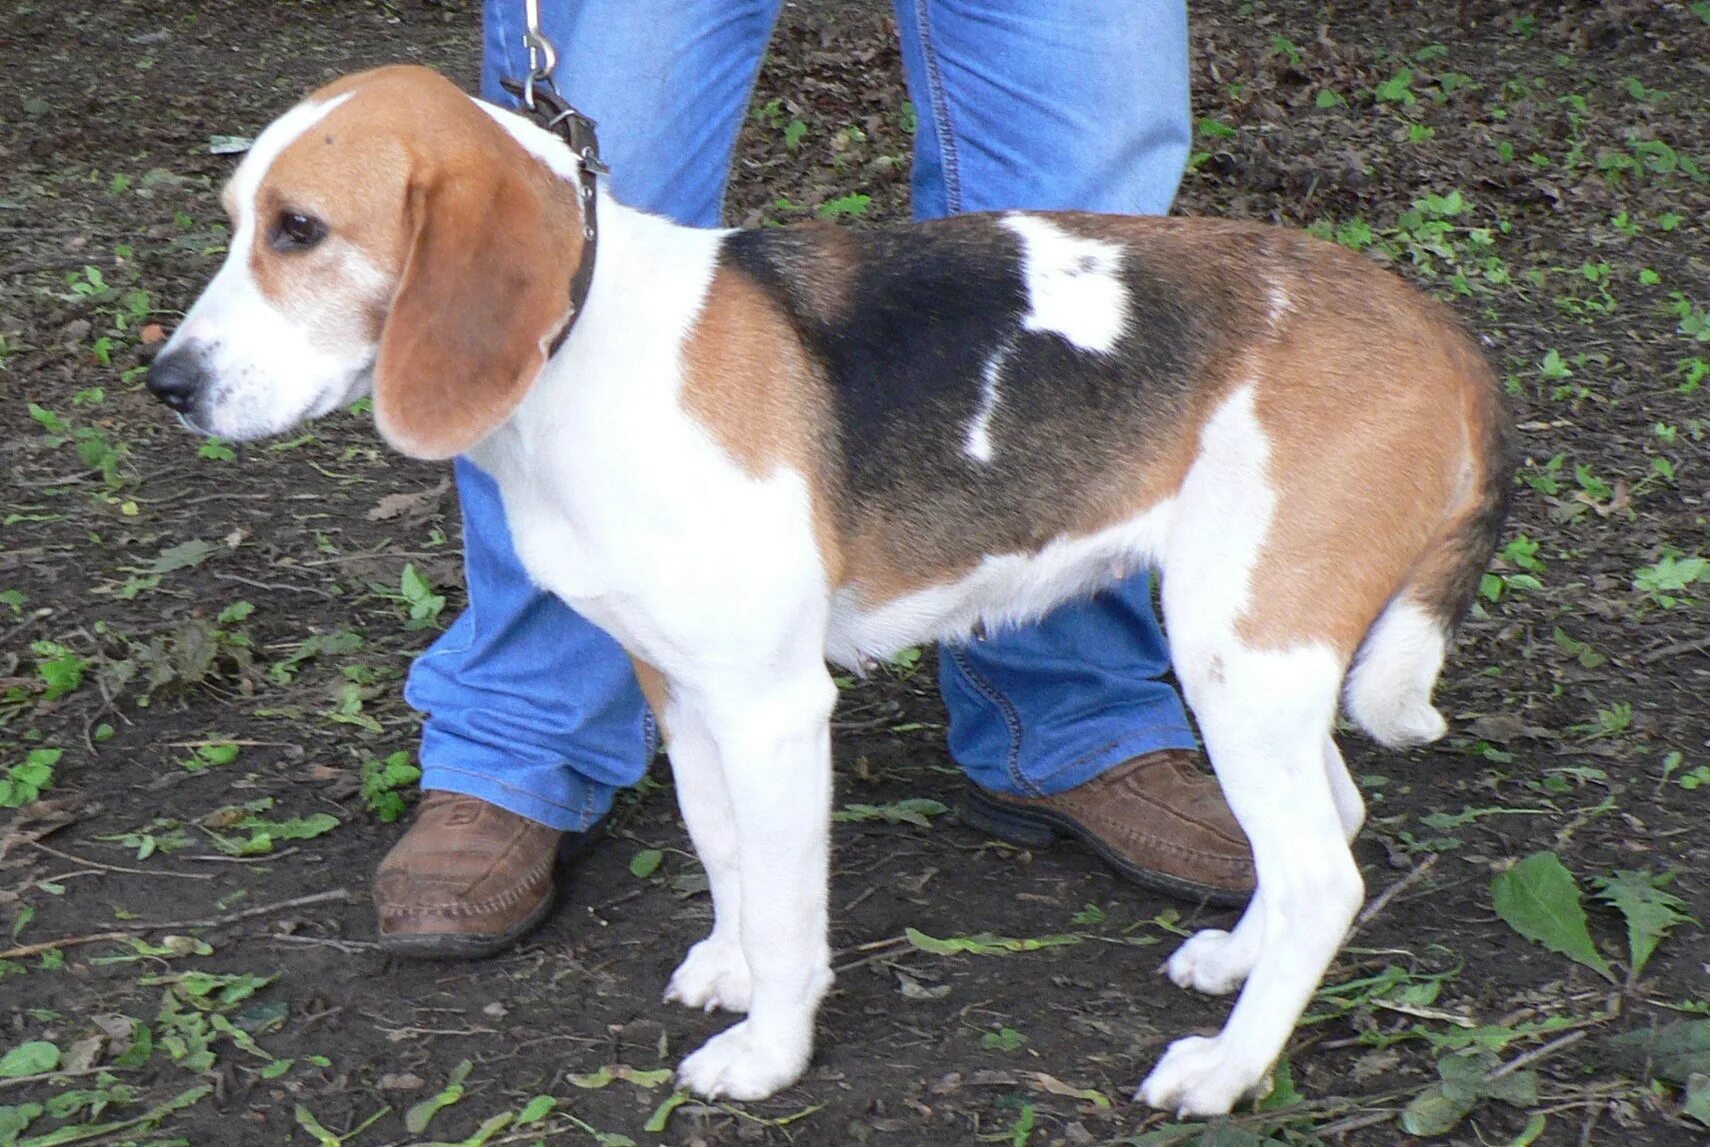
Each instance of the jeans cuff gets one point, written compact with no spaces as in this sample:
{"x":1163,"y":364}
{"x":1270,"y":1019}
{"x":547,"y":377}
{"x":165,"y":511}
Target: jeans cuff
{"x":569,"y":803}
{"x":1136,"y":741}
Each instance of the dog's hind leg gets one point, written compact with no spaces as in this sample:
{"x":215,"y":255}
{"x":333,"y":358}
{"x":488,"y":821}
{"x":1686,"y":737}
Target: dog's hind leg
{"x":1350,"y":804}
{"x":1265,"y":726}
{"x":1217,"y":962}
{"x":1265,"y":702}
{"x":772,"y":730}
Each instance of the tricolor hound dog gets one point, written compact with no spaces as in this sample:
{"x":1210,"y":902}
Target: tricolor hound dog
{"x":757,"y":451}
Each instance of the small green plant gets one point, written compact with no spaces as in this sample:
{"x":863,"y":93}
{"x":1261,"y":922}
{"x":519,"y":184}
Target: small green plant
{"x":415,"y":593}
{"x":207,"y":756}
{"x":242,"y":830}
{"x":60,"y":669}
{"x":1398,"y":89}
{"x":1667,"y":581}
{"x":917,"y":811}
{"x":317,"y":645}
{"x":381,"y":782}
{"x":1539,"y":899}
{"x":1466,"y":1077}
{"x":1694,"y":320}
{"x":845,"y":206}
{"x":984,"y":944}
{"x":1594,"y":488}
{"x":1522,"y":553}
{"x":1580,"y":651}
{"x":26,"y":781}
{"x":1651,"y":912}
{"x":1546,"y":477}
{"x":162,"y":834}
{"x":1693,"y":371}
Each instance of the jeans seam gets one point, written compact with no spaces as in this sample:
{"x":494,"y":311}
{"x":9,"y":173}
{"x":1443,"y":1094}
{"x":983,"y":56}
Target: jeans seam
{"x":940,"y":111}
{"x":501,"y":98}
{"x":1006,"y":710}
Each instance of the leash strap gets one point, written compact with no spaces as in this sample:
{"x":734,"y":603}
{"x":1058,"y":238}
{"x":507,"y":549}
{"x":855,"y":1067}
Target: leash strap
{"x":541,"y":99}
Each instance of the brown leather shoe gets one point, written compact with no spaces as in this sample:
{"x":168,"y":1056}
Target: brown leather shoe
{"x":1158,"y":820}
{"x":468,"y":879}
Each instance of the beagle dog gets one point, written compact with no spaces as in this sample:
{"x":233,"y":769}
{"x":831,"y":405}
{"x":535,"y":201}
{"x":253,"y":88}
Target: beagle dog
{"x":753,"y":452}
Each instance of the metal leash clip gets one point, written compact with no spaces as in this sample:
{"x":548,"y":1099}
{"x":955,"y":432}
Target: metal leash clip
{"x":542,"y":56}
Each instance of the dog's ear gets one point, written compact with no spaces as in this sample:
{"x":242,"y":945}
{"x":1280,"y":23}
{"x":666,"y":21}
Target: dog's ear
{"x":485,"y":290}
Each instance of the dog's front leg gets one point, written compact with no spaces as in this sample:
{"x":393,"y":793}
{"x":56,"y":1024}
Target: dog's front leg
{"x":715,"y":972}
{"x":773,"y":741}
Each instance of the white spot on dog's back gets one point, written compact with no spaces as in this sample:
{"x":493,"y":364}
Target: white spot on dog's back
{"x":1281,"y":303}
{"x":979,"y":442}
{"x":1074,"y":285}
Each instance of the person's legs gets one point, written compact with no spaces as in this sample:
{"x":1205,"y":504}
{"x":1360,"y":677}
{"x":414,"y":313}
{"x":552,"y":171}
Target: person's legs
{"x":534,"y":716}
{"x":1066,"y":727}
{"x":1080,"y":104}
{"x":668,"y":82}
{"x":530,"y":707}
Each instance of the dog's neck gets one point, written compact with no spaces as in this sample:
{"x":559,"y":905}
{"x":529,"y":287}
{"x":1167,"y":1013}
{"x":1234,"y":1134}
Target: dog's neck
{"x":649,"y":283}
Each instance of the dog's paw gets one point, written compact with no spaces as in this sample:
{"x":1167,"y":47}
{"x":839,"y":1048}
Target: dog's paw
{"x":742,"y":1063}
{"x":713,"y":975}
{"x":1199,"y":1076}
{"x":1213,"y":961}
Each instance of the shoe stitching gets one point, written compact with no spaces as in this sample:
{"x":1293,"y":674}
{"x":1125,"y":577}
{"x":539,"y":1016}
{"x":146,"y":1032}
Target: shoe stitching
{"x":1112,"y":839}
{"x":480,"y":907}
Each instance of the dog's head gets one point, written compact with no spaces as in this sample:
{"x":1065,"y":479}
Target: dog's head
{"x":388,"y":234}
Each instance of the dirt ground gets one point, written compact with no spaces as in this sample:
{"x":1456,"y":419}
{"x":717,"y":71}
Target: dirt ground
{"x":204,"y":751}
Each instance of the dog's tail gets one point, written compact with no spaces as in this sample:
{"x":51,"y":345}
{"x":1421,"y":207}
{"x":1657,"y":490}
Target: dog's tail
{"x":1388,"y":690}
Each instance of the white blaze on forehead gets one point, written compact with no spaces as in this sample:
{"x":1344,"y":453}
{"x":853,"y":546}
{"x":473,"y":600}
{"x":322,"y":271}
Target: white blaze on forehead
{"x":1074,"y":286}
{"x":979,"y":441}
{"x":280,"y":134}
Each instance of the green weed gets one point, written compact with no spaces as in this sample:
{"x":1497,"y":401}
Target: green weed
{"x":382,"y":781}
{"x":26,"y":781}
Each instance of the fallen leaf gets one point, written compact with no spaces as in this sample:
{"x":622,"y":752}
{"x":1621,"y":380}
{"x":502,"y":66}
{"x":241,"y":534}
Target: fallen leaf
{"x":1539,"y":899}
{"x":396,"y":505}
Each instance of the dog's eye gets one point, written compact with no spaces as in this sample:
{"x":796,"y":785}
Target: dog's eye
{"x":297,"y":232}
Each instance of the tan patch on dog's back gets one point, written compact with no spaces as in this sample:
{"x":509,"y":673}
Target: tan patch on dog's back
{"x":1375,"y":406}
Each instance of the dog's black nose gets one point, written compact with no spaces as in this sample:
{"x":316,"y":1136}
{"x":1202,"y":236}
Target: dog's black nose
{"x":175,"y":378}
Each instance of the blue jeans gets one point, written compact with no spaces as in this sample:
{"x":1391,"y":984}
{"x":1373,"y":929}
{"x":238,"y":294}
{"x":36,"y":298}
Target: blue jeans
{"x":1022,"y":104}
